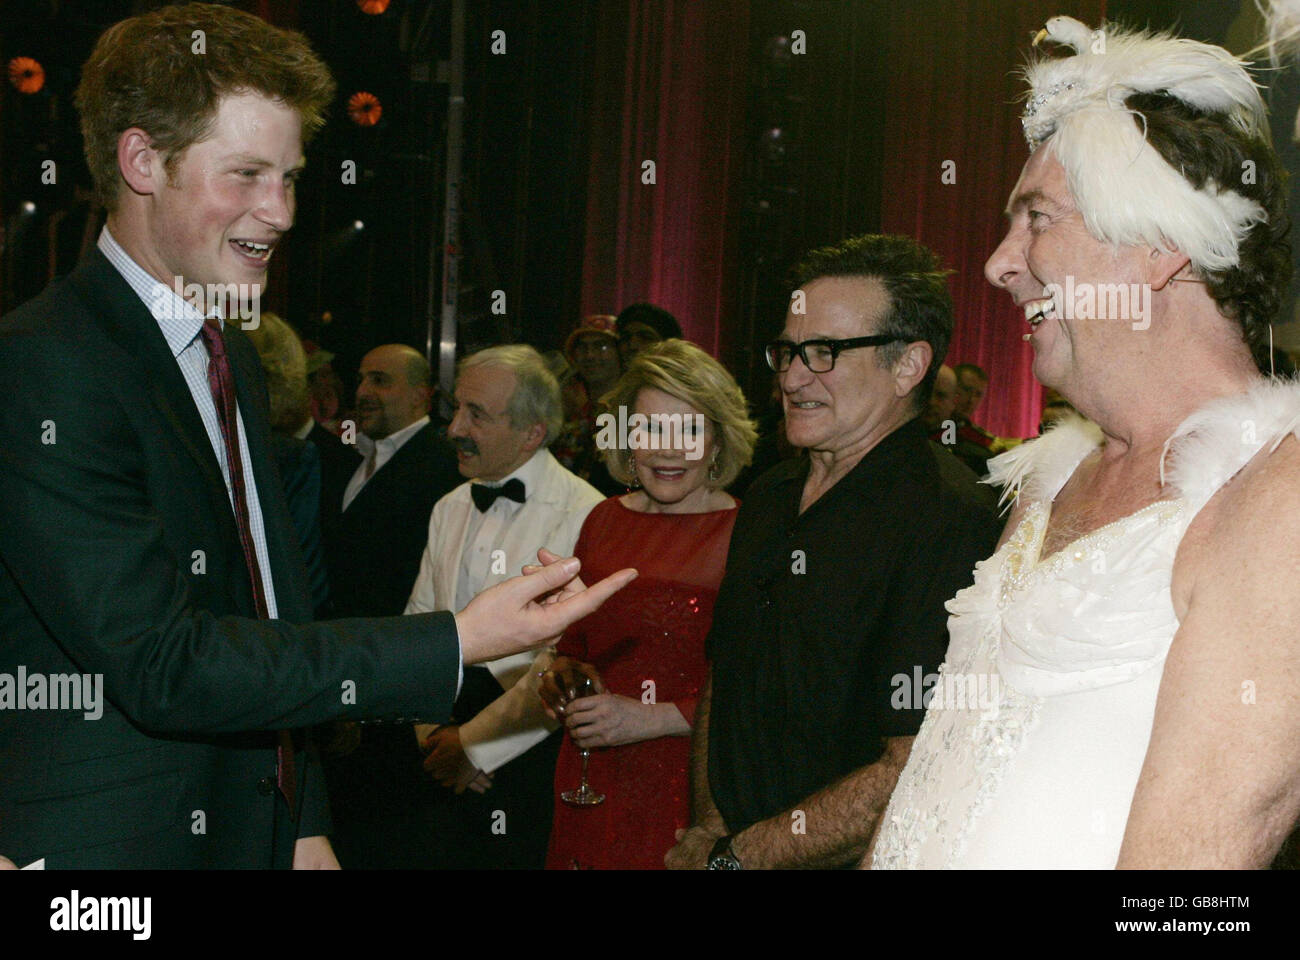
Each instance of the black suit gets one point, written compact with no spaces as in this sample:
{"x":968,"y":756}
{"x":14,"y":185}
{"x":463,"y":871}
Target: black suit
{"x":299,"y":463}
{"x":373,"y":548}
{"x":382,"y":799}
{"x":338,"y":461}
{"x":100,"y":573}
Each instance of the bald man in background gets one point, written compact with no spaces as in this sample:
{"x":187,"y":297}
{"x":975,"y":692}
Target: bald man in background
{"x":374,"y":539}
{"x":375,"y":535}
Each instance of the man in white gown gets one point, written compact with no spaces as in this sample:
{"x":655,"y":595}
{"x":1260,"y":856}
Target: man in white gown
{"x":1139,"y":621}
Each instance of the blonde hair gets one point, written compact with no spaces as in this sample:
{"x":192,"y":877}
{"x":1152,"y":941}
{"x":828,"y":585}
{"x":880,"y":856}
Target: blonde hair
{"x":684,"y":371}
{"x":285,"y":363}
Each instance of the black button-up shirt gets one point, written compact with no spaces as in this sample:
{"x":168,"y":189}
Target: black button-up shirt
{"x":818,"y":612}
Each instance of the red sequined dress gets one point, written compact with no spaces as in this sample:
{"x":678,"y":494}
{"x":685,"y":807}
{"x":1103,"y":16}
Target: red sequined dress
{"x":648,"y":637}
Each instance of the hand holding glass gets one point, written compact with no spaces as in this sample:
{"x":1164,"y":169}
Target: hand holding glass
{"x":582,"y":686}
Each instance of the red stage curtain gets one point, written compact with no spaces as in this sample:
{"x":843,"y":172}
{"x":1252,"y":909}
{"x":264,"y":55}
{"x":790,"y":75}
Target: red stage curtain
{"x":953,"y":95}
{"x":669,"y":86}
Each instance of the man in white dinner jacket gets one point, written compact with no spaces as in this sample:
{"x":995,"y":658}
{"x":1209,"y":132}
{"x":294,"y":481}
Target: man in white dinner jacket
{"x":496,"y":755}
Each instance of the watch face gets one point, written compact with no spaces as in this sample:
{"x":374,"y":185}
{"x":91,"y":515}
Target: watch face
{"x":724,"y":861}
{"x":721,"y":856}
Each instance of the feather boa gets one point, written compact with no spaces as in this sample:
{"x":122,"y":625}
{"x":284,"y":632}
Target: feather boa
{"x":1206,"y":450}
{"x":1211,"y":445}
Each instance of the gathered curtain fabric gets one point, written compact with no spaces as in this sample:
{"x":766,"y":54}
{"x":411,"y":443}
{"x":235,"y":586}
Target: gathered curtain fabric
{"x":668,"y":105}
{"x":955,"y":152}
{"x":669,"y":86}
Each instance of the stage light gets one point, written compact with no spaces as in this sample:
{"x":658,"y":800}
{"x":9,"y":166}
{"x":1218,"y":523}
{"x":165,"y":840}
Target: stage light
{"x":26,"y":74}
{"x":28,"y":207}
{"x":373,"y":7}
{"x":364,"y":109}
{"x":775,"y":144}
{"x":342,"y":238}
{"x":778,"y":50}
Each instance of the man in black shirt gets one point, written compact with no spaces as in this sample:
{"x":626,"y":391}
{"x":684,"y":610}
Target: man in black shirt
{"x":839,"y":567}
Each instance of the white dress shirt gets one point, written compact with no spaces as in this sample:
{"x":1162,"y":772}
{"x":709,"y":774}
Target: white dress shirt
{"x":180,"y":324}
{"x":383,"y":452}
{"x":470,"y":550}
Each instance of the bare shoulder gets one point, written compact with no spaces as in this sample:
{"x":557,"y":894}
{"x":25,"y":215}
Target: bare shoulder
{"x":1246,"y":533}
{"x":1220,"y":785}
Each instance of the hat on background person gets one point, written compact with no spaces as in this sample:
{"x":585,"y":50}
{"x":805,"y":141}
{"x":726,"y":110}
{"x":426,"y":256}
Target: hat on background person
{"x":656,"y":318}
{"x":601,"y":325}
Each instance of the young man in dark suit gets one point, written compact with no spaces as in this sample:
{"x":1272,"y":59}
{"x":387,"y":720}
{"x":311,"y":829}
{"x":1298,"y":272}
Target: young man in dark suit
{"x":144,"y":540}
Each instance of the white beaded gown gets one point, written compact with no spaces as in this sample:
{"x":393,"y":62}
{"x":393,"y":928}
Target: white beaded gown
{"x":1031,"y":748}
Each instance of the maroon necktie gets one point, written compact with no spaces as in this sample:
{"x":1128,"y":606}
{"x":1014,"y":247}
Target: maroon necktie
{"x":222,"y":385}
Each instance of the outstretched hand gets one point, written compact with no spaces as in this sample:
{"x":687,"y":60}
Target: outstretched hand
{"x":531,"y":610}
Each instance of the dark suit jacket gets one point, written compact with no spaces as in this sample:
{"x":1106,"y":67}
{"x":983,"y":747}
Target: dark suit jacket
{"x":373,"y":552}
{"x":373,"y":548}
{"x":338,"y":461}
{"x":299,"y":463}
{"x":109,"y":489}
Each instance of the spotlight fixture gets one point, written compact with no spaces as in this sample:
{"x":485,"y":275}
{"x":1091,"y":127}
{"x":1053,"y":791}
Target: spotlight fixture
{"x":26,"y":74}
{"x":364,"y":109}
{"x":373,"y":7}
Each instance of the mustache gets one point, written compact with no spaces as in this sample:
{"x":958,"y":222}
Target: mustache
{"x":465,"y":445}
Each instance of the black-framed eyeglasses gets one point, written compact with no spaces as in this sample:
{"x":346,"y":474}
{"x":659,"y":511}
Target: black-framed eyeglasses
{"x":817,"y":355}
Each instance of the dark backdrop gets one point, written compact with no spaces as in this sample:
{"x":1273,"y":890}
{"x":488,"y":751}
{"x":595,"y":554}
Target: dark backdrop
{"x":763,"y":147}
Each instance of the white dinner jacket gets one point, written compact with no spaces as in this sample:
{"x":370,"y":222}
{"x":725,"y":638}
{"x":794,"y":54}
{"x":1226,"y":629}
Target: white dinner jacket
{"x":556,"y":505}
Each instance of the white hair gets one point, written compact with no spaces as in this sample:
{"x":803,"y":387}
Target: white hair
{"x":536,"y":397}
{"x":1125,"y":190}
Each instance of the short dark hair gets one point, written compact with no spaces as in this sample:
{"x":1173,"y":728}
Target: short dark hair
{"x":970,"y":368}
{"x":920,"y":305}
{"x":656,"y":318}
{"x":1208,"y":147}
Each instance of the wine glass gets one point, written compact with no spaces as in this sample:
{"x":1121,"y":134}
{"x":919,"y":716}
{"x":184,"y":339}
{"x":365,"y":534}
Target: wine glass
{"x":584,"y":796}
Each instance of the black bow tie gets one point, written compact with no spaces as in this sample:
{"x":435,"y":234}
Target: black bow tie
{"x":484,"y":496}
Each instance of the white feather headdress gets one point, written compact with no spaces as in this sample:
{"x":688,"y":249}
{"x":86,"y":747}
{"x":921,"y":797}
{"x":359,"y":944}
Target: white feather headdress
{"x":1125,"y":190}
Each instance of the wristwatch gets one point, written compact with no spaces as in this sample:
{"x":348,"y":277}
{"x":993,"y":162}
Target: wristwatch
{"x":722,"y":857}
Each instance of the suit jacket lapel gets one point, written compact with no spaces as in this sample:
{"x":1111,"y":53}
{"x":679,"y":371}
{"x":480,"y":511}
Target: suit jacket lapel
{"x":126,"y":320}
{"x":394,"y":471}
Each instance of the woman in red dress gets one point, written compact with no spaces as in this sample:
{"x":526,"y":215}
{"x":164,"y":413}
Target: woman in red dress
{"x":645,"y":647}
